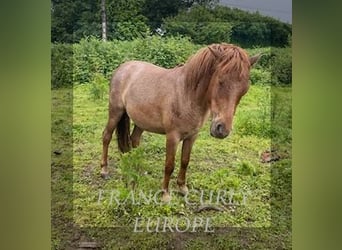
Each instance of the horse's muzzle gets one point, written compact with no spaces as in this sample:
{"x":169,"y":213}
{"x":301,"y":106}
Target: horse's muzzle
{"x":219,"y":130}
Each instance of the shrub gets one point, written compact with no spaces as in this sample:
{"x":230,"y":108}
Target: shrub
{"x":98,"y":87}
{"x":95,"y":56}
{"x":61,"y":65}
{"x":200,"y":25}
{"x":130,"y":30}
{"x":79,"y":63}
{"x":260,"y":76}
{"x":246,"y":168}
{"x":281,"y":65}
{"x":264,"y":61}
{"x":165,"y":52}
{"x":275,"y":61}
{"x":230,"y":25}
{"x":200,"y":32}
{"x":247,"y":34}
{"x":132,"y":165}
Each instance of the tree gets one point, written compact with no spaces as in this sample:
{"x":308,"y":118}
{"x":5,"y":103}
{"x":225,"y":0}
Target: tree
{"x":247,"y":34}
{"x":63,"y":17}
{"x":104,"y":20}
{"x":157,"y":10}
{"x":202,"y":20}
{"x":125,"y":19}
{"x":205,"y":24}
{"x":200,"y":25}
{"x":76,"y":19}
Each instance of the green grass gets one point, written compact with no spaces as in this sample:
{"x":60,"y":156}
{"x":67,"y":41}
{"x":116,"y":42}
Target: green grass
{"x":230,"y":164}
{"x":61,"y":168}
{"x":215,"y":165}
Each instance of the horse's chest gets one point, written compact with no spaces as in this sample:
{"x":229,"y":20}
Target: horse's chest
{"x":190,"y":123}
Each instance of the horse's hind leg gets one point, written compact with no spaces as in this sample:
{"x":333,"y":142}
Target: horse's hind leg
{"x":136,"y":135}
{"x":114,"y":117}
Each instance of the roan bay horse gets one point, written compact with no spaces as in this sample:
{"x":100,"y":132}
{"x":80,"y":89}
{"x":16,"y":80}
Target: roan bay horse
{"x":176,"y":102}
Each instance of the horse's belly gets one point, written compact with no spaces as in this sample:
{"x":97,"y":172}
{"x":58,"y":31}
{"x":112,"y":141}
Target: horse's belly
{"x":149,"y":127}
{"x":149,"y":121}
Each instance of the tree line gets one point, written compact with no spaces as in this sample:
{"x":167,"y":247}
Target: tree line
{"x":203,"y":21}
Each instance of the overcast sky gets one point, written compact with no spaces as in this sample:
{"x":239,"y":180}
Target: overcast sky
{"x":279,"y":9}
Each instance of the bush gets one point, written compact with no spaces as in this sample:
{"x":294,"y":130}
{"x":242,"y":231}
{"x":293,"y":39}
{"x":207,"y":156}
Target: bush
{"x":281,"y":65}
{"x":200,"y":25}
{"x":130,"y":30}
{"x":276,"y":62}
{"x":200,"y":32}
{"x":260,"y":76}
{"x":95,"y":56}
{"x":61,"y":65}
{"x":165,"y":52}
{"x":230,"y":25}
{"x":246,"y":168}
{"x":247,"y":34}
{"x":132,"y":165}
{"x":81,"y":62}
{"x":98,"y":87}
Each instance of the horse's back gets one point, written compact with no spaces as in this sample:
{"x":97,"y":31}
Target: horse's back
{"x":146,"y":91}
{"x":133,"y":69}
{"x":138,"y":76}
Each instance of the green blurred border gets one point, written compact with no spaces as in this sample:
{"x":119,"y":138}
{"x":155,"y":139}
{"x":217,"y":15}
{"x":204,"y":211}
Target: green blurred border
{"x":25,"y":124}
{"x":26,"y":46}
{"x":317,"y":124}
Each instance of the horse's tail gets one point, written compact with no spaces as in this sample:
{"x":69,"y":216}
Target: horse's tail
{"x":123,"y":134}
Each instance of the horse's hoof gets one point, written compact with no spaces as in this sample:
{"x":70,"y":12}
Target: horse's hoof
{"x":183,"y":189}
{"x":166,"y":198}
{"x":105,"y":175}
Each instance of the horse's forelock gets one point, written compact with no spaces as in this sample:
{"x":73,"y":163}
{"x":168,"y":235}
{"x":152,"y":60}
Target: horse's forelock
{"x":224,"y":58}
{"x":234,"y":59}
{"x":200,"y":65}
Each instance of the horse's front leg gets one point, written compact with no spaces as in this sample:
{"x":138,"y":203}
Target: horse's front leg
{"x":185,"y":158}
{"x":172,"y":141}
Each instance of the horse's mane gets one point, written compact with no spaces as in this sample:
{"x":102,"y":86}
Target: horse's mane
{"x":225,"y":58}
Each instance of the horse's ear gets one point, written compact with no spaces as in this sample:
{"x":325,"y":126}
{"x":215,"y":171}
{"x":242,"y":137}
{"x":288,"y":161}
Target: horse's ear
{"x":215,"y":52}
{"x":254,"y":59}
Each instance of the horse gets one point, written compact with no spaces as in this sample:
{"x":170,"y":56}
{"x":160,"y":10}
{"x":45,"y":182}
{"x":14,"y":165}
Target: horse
{"x":176,"y":102}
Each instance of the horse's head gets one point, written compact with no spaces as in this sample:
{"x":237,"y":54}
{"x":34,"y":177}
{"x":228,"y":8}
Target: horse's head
{"x":230,"y":81}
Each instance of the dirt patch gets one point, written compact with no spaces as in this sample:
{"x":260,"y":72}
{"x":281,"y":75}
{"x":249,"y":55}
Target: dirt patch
{"x":269,"y":156}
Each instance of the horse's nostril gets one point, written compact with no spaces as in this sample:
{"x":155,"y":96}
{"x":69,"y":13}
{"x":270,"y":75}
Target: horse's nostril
{"x":219,"y":128}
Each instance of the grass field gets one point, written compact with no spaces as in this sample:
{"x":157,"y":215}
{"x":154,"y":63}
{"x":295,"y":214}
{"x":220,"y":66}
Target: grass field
{"x":259,"y":193}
